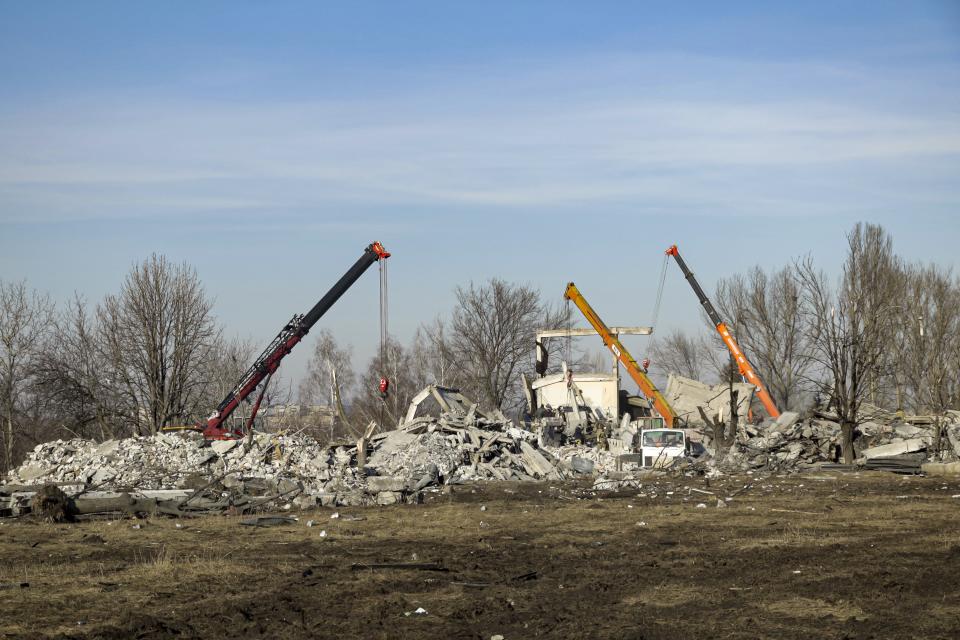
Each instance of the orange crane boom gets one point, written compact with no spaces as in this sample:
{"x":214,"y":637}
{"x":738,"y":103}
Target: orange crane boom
{"x":746,"y":369}
{"x":616,"y":347}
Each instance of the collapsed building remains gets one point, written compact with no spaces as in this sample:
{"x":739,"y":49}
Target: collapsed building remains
{"x":182,"y":474}
{"x":185,"y":473}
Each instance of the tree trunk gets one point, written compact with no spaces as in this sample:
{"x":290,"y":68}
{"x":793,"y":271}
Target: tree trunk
{"x":846,"y":434}
{"x":722,"y":440}
{"x":734,"y":416}
{"x":937,"y":437}
{"x":123,"y":503}
{"x":8,"y":442}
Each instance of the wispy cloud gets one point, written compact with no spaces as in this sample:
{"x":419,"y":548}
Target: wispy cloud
{"x":670,"y":133}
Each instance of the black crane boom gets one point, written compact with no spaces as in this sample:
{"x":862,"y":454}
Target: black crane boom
{"x":292,"y":333}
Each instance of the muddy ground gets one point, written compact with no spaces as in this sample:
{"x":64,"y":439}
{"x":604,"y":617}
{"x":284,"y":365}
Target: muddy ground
{"x":806,"y":556}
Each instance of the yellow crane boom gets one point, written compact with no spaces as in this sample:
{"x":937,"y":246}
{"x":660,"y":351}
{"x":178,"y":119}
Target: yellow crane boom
{"x":616,"y":347}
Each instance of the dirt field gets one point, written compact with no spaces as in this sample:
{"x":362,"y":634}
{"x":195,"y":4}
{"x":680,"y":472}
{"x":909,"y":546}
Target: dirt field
{"x":823,"y":556}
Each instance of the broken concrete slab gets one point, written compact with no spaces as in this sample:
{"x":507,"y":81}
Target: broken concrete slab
{"x":430,"y":477}
{"x":535,"y":463}
{"x":581,"y":465}
{"x":30,"y":472}
{"x":107,"y":448}
{"x":393,"y":441}
{"x":377,"y":484}
{"x":327,"y":499}
{"x":786,"y":420}
{"x":223,"y":446}
{"x":686,"y":394}
{"x":941,"y":468}
{"x":385,"y":498}
{"x":894,"y":449}
{"x":103,"y":475}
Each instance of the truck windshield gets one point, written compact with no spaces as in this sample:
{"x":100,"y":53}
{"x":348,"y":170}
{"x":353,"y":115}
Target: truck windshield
{"x":662,"y":439}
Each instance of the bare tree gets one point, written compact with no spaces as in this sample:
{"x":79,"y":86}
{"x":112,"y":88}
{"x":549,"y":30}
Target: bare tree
{"x":764,"y":313}
{"x":397,"y":366}
{"x":681,"y":354}
{"x":718,"y":363}
{"x":328,"y":357}
{"x":157,"y":332}
{"x":26,"y":319}
{"x":850,"y":328}
{"x":226,"y":361}
{"x":724,"y":432}
{"x":493,"y":331}
{"x":73,"y":374}
{"x":330,"y":381}
{"x":928,"y":328}
{"x":434,"y":356}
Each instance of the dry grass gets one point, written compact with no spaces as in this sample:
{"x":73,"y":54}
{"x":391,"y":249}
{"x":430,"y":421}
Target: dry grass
{"x":536,"y":562}
{"x":800,"y":607}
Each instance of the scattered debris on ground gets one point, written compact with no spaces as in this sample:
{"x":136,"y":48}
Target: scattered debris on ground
{"x":799,"y":556}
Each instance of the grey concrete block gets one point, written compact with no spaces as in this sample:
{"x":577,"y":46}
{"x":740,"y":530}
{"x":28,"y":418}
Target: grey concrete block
{"x":787,"y":419}
{"x":377,"y":484}
{"x":223,"y":446}
{"x":385,"y":498}
{"x":894,"y":449}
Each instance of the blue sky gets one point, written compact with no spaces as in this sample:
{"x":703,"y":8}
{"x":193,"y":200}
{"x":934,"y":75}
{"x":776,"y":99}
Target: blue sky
{"x":268,"y":143}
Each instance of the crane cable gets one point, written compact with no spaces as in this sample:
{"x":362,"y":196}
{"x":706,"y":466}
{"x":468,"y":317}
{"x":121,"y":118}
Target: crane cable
{"x":384,"y":330}
{"x":383,"y":311}
{"x":656,"y":305}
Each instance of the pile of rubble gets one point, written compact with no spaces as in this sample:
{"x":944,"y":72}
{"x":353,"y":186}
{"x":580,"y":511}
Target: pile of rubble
{"x":791,"y":444}
{"x":883,"y":441}
{"x":386,"y":468}
{"x":178,"y":473}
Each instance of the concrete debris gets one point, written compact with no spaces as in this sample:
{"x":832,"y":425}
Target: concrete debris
{"x":269,"y":521}
{"x":686,"y":394}
{"x":787,"y":419}
{"x":908,"y":464}
{"x":941,"y":469}
{"x":894,"y":449}
{"x":180,"y":474}
{"x":269,"y":471}
{"x":579,"y":458}
{"x":581,"y":465}
{"x":536,"y":464}
{"x":900,"y":444}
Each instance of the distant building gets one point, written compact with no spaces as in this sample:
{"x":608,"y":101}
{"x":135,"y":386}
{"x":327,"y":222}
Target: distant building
{"x":313,"y":419}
